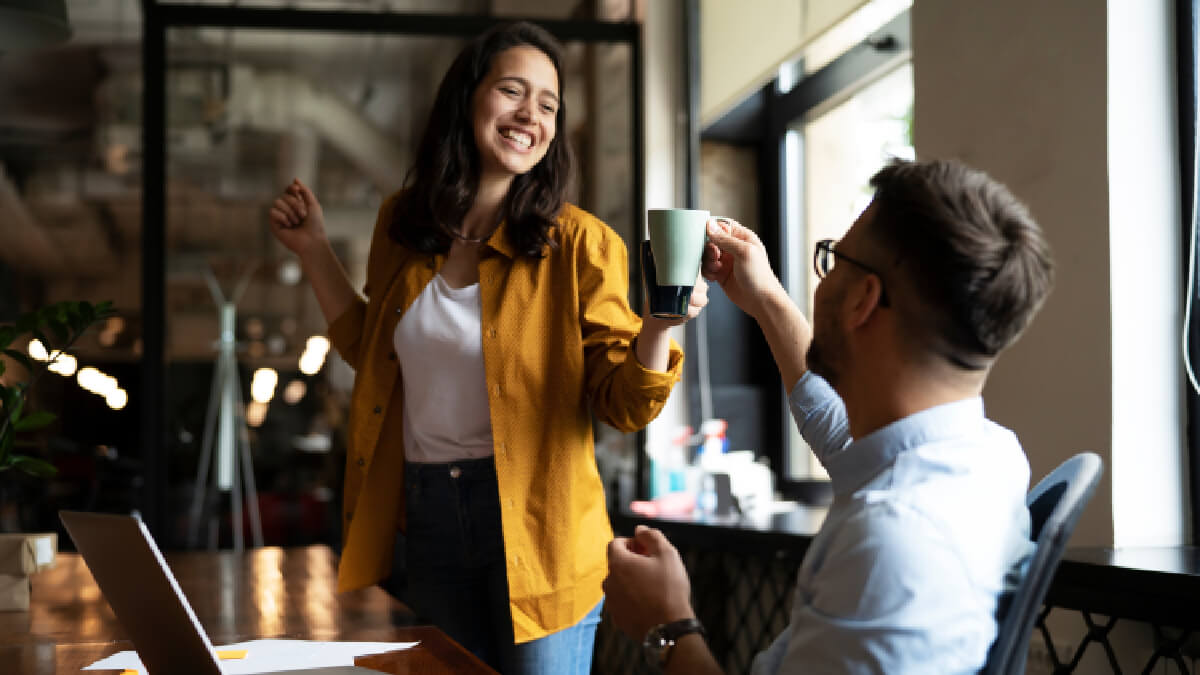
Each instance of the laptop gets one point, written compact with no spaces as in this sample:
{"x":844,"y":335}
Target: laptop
{"x":146,"y":598}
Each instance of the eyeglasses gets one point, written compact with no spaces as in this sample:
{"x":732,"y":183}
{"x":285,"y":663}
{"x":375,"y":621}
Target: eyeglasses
{"x":824,"y":256}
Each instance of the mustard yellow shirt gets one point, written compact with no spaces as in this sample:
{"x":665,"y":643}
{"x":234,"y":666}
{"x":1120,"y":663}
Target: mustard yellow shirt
{"x":558,"y":337}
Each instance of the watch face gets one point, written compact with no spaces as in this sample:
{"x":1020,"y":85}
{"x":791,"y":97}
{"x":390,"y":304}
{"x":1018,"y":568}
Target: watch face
{"x":655,"y":646}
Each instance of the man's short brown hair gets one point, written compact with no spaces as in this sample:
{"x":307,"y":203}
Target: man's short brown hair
{"x":967,"y":249}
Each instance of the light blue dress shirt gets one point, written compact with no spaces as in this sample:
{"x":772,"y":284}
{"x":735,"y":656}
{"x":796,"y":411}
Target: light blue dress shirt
{"x":928,"y":521}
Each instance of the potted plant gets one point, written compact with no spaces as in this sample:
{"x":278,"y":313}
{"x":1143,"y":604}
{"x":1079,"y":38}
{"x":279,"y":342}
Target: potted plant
{"x":57,"y":327}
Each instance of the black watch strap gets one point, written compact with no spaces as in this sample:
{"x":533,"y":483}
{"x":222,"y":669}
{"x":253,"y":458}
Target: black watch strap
{"x":661,"y":639}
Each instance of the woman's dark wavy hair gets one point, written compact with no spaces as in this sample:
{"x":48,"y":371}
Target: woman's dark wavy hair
{"x":443,"y":181}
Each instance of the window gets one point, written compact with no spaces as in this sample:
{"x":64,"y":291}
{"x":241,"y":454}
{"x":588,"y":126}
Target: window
{"x":841,"y":122}
{"x":829,"y":160}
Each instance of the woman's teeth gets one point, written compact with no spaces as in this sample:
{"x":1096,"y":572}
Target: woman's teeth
{"x":518,"y":136}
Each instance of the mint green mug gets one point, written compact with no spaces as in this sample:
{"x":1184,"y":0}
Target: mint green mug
{"x":671,"y":259}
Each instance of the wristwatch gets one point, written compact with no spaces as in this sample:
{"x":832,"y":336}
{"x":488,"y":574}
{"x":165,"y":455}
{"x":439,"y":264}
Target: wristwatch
{"x":661,"y":639}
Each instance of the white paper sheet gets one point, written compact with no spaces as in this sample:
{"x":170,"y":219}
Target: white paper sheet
{"x":270,"y":656}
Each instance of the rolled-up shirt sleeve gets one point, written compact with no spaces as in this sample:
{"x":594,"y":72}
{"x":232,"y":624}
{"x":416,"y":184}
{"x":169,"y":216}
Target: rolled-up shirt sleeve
{"x":820,"y":415}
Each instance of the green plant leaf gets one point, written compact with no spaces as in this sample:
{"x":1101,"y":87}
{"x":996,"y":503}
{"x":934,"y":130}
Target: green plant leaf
{"x":33,"y":466}
{"x":20,"y":358}
{"x":6,"y":444}
{"x":34,"y":421}
{"x":74,"y":319}
{"x":59,"y":328}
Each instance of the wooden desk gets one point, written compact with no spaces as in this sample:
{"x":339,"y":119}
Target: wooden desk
{"x":264,"y":593}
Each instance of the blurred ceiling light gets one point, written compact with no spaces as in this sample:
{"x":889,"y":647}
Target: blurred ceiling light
{"x":117,"y":399}
{"x":98,"y":383}
{"x":294,"y":391}
{"x":276,"y":344}
{"x":112,"y":329}
{"x":256,"y":350}
{"x":254,"y":328}
{"x":289,"y":272}
{"x":116,"y":159}
{"x":256,"y":412}
{"x":32,"y":23}
{"x":262,"y":385}
{"x":106,"y":385}
{"x":37,"y":351}
{"x":87,"y":378}
{"x":313,"y":357}
{"x":64,"y":365}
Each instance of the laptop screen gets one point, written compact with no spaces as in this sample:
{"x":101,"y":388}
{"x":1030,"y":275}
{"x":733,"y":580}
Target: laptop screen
{"x":135,"y":579}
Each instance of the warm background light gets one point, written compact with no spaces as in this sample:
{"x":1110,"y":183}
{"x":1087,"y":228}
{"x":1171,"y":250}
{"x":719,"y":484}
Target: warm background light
{"x":313,"y":357}
{"x":262,"y":385}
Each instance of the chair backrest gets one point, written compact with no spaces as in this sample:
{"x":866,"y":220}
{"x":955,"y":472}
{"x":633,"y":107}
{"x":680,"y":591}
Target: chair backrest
{"x":1055,"y":505}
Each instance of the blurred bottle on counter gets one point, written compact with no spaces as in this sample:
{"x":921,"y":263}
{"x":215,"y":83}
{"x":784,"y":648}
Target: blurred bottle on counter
{"x":668,"y":464}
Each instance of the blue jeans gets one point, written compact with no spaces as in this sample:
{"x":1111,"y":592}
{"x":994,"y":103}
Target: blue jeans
{"x":456,"y":572}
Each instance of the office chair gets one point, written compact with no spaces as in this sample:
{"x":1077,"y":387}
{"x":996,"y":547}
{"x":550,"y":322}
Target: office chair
{"x":1055,"y":505}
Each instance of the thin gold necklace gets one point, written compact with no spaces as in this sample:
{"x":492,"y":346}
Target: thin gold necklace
{"x":470,"y":240}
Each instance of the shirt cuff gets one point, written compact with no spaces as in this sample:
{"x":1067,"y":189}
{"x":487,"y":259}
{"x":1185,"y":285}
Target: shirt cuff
{"x":656,"y":383}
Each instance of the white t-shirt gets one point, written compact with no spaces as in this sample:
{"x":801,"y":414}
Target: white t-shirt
{"x":439,"y":344}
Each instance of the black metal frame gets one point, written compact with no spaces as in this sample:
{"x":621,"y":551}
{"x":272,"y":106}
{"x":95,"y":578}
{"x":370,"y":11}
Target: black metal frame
{"x":762,"y":121}
{"x":1187,"y":27}
{"x":157,"y":19}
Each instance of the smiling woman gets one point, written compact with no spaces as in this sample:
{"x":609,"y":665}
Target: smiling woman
{"x":515,"y":112}
{"x":496,"y":325}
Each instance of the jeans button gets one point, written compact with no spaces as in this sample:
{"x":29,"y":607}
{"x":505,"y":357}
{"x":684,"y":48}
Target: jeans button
{"x":455,"y":472}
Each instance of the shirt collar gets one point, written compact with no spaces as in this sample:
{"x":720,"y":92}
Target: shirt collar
{"x":865,"y":457}
{"x":500,"y":242}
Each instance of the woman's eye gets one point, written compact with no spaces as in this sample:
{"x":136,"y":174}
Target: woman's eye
{"x":548,"y":109}
{"x":511,"y":91}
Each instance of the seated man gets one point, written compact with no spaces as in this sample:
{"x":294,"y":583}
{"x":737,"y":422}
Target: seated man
{"x":928,"y":524}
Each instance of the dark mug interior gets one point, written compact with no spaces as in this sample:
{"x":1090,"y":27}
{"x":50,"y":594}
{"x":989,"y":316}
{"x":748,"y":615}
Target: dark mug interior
{"x":666,"y":302}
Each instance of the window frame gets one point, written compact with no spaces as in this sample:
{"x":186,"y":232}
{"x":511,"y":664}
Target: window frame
{"x":763,"y":120}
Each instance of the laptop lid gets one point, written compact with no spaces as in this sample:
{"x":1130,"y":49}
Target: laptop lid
{"x":142,"y":592}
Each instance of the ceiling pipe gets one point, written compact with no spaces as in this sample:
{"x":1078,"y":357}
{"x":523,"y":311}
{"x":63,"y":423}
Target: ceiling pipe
{"x":27,"y":246}
{"x":286,"y":104}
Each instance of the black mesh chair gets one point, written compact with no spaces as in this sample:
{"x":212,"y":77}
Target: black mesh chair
{"x":1055,"y":505}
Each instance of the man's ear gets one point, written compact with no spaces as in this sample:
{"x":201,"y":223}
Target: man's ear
{"x":863,"y":300}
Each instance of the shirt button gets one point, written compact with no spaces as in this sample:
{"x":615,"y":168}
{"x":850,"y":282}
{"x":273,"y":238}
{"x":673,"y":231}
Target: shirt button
{"x":492,"y":332}
{"x":496,"y":390}
{"x":455,"y":472}
{"x":377,"y":410}
{"x":399,"y":310}
{"x":362,"y":462}
{"x":510,"y":503}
